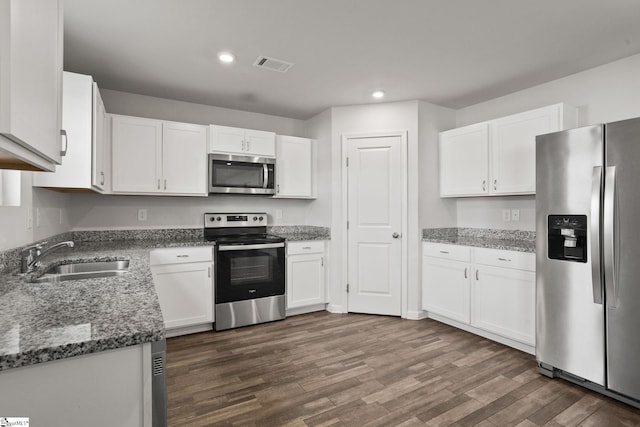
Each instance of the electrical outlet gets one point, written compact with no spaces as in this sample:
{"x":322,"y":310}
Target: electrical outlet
{"x":29,"y":218}
{"x":506,"y":215}
{"x":38,"y":217}
{"x":515,"y":214}
{"x":278,"y":213}
{"x":142,"y":214}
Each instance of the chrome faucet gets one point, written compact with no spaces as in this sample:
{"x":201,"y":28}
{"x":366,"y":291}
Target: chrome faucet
{"x":30,"y":256}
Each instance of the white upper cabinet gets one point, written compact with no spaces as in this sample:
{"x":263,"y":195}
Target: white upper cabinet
{"x":85,"y":121}
{"x":295,"y":167}
{"x":498,"y":157}
{"x":230,"y":140}
{"x":184,"y":158}
{"x":156,"y":157}
{"x":30,"y":84}
{"x":464,"y":161}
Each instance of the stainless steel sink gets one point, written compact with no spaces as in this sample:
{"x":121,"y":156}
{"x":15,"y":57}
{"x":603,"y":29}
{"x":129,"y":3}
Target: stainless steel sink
{"x":84,"y":270}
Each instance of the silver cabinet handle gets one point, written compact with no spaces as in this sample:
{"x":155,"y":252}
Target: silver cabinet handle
{"x":278,"y":188}
{"x":158,"y":184}
{"x":395,"y":235}
{"x":208,"y":271}
{"x":306,"y":247}
{"x":322,"y":262}
{"x":444,"y":252}
{"x":495,"y":184}
{"x":465,"y":272}
{"x":596,"y":188}
{"x":609,"y":228}
{"x":484,"y":185}
{"x":165,"y":184}
{"x":243,"y":146}
{"x":102,"y":179}
{"x":504,"y":259}
{"x":477,"y":278}
{"x":248,"y":146}
{"x":63,"y":152}
{"x":182,"y":256}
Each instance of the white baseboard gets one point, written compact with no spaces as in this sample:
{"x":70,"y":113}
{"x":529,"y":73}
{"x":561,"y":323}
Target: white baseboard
{"x":416,"y":315}
{"x":332,"y":308}
{"x":176,"y":332}
{"x":307,"y":309}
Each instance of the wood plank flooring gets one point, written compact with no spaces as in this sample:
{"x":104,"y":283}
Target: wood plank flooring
{"x":323,"y":369}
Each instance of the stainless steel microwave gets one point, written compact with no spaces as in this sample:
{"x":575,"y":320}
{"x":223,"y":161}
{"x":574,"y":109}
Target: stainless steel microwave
{"x":235,"y":174}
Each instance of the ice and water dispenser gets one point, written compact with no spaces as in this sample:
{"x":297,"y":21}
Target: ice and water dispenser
{"x":567,"y":239}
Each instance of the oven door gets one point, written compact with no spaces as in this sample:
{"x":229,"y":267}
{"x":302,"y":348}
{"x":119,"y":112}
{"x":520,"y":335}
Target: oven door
{"x":241,"y":174}
{"x":247,"y":272}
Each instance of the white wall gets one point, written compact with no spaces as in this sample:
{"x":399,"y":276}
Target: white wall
{"x":396,"y":116}
{"x":166,"y":109}
{"x":434,"y":211}
{"x":319,"y":128}
{"x":603,"y":94}
{"x":13,"y":220}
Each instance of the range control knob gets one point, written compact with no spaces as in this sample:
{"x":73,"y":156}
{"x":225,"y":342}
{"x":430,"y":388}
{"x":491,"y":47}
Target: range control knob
{"x":255,"y":218}
{"x":261,"y":218}
{"x":219,"y":219}
{"x":212,"y":219}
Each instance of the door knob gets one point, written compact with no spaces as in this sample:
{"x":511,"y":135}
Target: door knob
{"x":395,"y":235}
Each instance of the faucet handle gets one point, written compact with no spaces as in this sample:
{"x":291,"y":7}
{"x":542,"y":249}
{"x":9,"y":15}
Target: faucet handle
{"x":38,"y":246}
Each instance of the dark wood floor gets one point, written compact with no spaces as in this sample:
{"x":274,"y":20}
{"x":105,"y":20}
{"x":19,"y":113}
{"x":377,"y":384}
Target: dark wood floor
{"x":324,"y":369}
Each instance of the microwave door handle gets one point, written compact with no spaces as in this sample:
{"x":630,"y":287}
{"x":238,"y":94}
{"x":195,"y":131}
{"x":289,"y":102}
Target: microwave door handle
{"x":265,"y":175}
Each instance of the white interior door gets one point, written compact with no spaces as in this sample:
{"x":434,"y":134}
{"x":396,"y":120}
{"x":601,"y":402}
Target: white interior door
{"x":375,"y":224}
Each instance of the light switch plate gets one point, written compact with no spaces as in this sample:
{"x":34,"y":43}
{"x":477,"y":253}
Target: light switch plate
{"x":142,"y":214}
{"x":506,"y":215}
{"x":278,"y":213}
{"x":515,"y":214}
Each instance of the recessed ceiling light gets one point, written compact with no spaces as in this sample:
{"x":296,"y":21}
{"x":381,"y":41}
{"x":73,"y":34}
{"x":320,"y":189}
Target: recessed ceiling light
{"x":226,"y":57}
{"x":378,"y":94}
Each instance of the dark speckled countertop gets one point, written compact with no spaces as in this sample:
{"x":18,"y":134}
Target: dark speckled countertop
{"x":510,"y":240}
{"x":40,"y":322}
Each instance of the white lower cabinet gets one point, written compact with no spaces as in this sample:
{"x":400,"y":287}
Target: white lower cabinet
{"x":183,"y":278}
{"x":491,"y":292}
{"x":306,"y":272}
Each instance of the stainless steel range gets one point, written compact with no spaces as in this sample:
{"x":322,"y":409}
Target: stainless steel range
{"x":250,"y":269}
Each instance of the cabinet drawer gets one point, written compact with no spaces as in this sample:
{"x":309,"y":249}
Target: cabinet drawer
{"x":507,"y":259}
{"x":452,"y":252}
{"x":181,"y":255}
{"x":306,"y":247}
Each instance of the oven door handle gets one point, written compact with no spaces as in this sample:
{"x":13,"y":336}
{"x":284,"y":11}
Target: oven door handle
{"x":249,"y":247}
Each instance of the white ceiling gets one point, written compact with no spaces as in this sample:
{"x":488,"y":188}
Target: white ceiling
{"x":452,"y":53}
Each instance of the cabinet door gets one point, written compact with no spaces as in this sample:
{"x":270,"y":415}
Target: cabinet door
{"x":31,"y":83}
{"x":464,"y":161}
{"x":260,"y":143}
{"x":99,"y":161}
{"x":504,"y":302}
{"x":445,"y":288}
{"x":184,"y":158}
{"x":226,"y":139}
{"x":185,"y":293}
{"x":294,"y":167}
{"x":513,"y":149}
{"x":137,"y":154}
{"x":77,"y":105}
{"x":305,"y":280}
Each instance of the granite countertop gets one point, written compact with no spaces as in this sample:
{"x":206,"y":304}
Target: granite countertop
{"x":40,"y":322}
{"x":509,"y":240}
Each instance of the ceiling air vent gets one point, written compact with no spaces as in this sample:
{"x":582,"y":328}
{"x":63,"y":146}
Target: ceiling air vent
{"x":273,"y":64}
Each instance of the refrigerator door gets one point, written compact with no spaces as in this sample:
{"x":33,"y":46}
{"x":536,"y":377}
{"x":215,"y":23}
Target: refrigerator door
{"x":569,"y":310}
{"x":621,"y":242}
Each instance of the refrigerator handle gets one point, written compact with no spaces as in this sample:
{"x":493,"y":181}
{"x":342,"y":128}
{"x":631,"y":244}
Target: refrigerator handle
{"x":596,"y":278}
{"x":608,"y":236}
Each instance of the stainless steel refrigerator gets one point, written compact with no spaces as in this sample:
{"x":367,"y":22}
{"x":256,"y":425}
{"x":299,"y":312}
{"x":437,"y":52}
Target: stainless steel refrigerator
{"x":588,"y":257}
